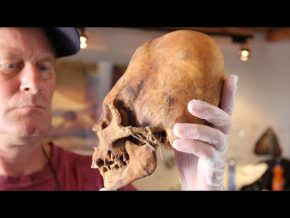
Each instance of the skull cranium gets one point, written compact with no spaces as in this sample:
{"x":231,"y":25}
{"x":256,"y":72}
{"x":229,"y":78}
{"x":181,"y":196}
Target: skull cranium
{"x":152,"y":95}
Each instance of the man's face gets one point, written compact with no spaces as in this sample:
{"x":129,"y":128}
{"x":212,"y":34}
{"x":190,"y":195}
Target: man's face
{"x":27,"y":81}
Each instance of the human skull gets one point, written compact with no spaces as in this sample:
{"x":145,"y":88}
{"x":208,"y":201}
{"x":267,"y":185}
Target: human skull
{"x":139,"y":113}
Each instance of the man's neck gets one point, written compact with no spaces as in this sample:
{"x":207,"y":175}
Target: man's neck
{"x":22,"y":157}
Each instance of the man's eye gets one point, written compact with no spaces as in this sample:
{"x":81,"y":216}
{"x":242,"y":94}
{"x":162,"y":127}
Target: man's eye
{"x":46,"y":70}
{"x":43,"y":68}
{"x":10,"y":67}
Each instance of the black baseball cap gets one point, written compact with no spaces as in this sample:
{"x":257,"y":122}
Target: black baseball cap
{"x":66,"y":40}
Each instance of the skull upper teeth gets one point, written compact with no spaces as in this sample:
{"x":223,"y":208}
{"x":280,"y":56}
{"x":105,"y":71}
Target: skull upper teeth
{"x":112,"y":162}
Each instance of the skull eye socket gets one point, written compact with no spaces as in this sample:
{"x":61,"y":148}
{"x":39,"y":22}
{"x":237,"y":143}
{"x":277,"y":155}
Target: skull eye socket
{"x":128,"y":116}
{"x":125,"y":118}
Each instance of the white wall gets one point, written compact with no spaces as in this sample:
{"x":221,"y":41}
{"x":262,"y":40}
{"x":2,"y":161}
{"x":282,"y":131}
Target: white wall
{"x":263,"y":89}
{"x":263,"y":95}
{"x":114,"y":44}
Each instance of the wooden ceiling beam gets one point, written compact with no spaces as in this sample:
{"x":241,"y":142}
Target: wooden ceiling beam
{"x":271,"y":34}
{"x":278,"y":34}
{"x":227,"y":31}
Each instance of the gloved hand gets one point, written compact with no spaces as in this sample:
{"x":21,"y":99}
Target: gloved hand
{"x":200,"y":149}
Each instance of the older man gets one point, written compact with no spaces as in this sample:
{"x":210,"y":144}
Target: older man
{"x":29,"y":162}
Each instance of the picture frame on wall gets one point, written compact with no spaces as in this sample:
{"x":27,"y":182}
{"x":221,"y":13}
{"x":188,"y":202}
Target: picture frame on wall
{"x":76,"y":105}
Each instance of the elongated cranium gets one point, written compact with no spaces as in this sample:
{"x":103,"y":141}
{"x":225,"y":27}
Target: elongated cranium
{"x":141,"y":109}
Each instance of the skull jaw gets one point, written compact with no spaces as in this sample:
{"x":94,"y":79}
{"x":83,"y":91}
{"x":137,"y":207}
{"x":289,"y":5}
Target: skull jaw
{"x":143,"y":162}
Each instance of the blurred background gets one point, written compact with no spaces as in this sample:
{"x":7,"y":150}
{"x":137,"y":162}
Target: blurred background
{"x":259,"y":139}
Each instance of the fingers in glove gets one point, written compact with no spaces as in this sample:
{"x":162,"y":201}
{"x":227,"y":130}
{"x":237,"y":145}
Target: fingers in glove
{"x":201,"y":133}
{"x":214,"y":115}
{"x":198,"y":148}
{"x":228,"y":94}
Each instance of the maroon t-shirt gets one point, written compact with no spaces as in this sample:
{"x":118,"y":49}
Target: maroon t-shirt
{"x":68,"y":172}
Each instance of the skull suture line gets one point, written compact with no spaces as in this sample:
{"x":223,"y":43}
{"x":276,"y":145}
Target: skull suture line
{"x":140,"y":111}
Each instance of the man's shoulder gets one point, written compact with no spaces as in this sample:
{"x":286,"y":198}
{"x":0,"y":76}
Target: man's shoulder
{"x":70,"y":155}
{"x":76,"y":169}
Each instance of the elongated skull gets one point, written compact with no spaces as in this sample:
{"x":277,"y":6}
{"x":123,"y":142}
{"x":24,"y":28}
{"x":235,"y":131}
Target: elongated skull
{"x":140,"y":111}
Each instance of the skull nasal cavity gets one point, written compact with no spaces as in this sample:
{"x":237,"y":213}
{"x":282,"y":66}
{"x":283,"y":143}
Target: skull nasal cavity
{"x":108,"y":118}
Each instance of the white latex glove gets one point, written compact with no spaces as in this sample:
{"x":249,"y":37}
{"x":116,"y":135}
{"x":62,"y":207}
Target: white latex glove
{"x":103,"y":189}
{"x":200,"y":149}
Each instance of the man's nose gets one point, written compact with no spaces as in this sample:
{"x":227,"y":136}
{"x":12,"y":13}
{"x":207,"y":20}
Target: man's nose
{"x":30,"y":80}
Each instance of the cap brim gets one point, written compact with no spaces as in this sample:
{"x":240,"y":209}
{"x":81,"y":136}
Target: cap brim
{"x":66,"y":40}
